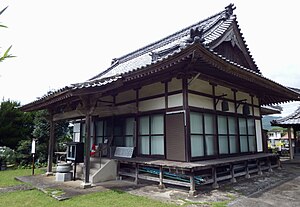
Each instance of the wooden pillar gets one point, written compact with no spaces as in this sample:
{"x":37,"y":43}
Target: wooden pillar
{"x":87,"y":150}
{"x":118,"y":171}
{"x":279,"y":163}
{"x":290,"y":143}
{"x":233,"y":180}
{"x":259,"y":172}
{"x":269,"y":164}
{"x":186,"y":118}
{"x":136,"y":180}
{"x":247,"y":170}
{"x":161,"y":175}
{"x":50,"y":148}
{"x":89,"y":104}
{"x":214,"y":176}
{"x":192,"y":191}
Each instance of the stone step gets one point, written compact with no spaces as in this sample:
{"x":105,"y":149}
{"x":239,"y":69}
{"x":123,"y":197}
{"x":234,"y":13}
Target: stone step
{"x":94,"y":167}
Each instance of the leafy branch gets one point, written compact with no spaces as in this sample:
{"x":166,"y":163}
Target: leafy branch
{"x":6,"y":53}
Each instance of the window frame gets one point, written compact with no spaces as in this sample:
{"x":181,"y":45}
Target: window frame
{"x":204,"y":135}
{"x":150,"y":135}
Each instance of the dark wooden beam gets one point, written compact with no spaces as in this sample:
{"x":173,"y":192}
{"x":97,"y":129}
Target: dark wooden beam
{"x":50,"y":147}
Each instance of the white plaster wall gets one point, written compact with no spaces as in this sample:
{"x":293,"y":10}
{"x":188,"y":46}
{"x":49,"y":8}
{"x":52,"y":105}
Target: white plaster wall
{"x":152,"y":89}
{"x":241,"y":95}
{"x":126,"y":96}
{"x":259,"y":141}
{"x":256,"y":111}
{"x":152,"y":104}
{"x":255,"y":100}
{"x":220,"y":90}
{"x":201,"y":86}
{"x":175,"y":85}
{"x":175,"y":100}
{"x":200,"y":101}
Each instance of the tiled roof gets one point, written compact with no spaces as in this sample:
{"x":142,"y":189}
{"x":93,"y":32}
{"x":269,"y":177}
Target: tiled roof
{"x":212,"y":29}
{"x":65,"y":92}
{"x":291,"y":119}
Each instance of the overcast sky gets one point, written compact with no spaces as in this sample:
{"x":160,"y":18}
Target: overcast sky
{"x":59,"y":42}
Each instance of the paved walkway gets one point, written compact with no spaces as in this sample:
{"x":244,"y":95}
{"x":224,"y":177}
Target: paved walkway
{"x":66,"y":190}
{"x":15,"y":188}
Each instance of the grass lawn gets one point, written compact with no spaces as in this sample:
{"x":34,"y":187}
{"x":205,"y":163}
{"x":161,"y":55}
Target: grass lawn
{"x":7,"y":177}
{"x":108,"y":198}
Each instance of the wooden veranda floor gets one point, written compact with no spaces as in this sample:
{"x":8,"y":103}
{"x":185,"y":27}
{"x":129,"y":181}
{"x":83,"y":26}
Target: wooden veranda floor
{"x":234,"y":167}
{"x":197,"y":165}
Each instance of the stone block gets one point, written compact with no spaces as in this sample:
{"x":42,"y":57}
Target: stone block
{"x":63,"y":177}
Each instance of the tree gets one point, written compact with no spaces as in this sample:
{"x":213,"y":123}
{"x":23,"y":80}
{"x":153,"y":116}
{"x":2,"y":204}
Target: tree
{"x":15,"y":125}
{"x":41,"y":134}
{"x":18,"y":128}
{"x":6,"y":53}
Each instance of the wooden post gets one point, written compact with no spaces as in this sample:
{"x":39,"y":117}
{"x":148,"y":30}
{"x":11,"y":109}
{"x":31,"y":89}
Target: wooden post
{"x":259,"y":172}
{"x":279,"y":163}
{"x":269,"y":164}
{"x":118,"y":171}
{"x":247,"y":170}
{"x":87,"y":150}
{"x":290,"y":143}
{"x":136,"y":180}
{"x":233,"y":179}
{"x":50,"y":148}
{"x":74,"y":171}
{"x":161,"y":175}
{"x":214,"y":176}
{"x":32,"y":164}
{"x":192,"y":191}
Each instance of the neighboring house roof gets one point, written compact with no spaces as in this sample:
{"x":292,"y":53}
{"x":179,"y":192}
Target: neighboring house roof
{"x":290,"y":120}
{"x":205,"y":36}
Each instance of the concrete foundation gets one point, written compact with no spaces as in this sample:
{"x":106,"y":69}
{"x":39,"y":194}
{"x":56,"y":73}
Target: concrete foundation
{"x":63,"y":177}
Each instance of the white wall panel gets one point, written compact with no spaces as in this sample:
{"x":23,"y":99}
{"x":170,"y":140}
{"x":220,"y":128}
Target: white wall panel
{"x":256,"y":111}
{"x":201,"y":86}
{"x":200,"y":101}
{"x":220,"y":90}
{"x":175,"y":100}
{"x":241,"y":96}
{"x":175,"y":85}
{"x":259,"y":141}
{"x":126,"y":96}
{"x":152,"y":89}
{"x":152,"y":104}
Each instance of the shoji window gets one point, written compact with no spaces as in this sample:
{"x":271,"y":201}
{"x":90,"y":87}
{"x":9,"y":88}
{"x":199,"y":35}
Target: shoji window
{"x":103,"y":130}
{"x":124,"y":132}
{"x":202,"y":134}
{"x":227,"y":135}
{"x":151,"y":135}
{"x":247,"y":135}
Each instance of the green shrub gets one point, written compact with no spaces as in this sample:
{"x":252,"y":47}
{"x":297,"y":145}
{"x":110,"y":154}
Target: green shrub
{"x":7,"y":155}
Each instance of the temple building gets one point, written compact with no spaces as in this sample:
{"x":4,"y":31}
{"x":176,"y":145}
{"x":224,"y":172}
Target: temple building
{"x":189,"y":104}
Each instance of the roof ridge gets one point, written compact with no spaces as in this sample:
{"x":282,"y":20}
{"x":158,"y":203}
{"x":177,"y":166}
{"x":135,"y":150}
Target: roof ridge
{"x":170,"y":36}
{"x":226,"y":13}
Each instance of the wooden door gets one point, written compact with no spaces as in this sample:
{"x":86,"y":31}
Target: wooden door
{"x":175,"y":137}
